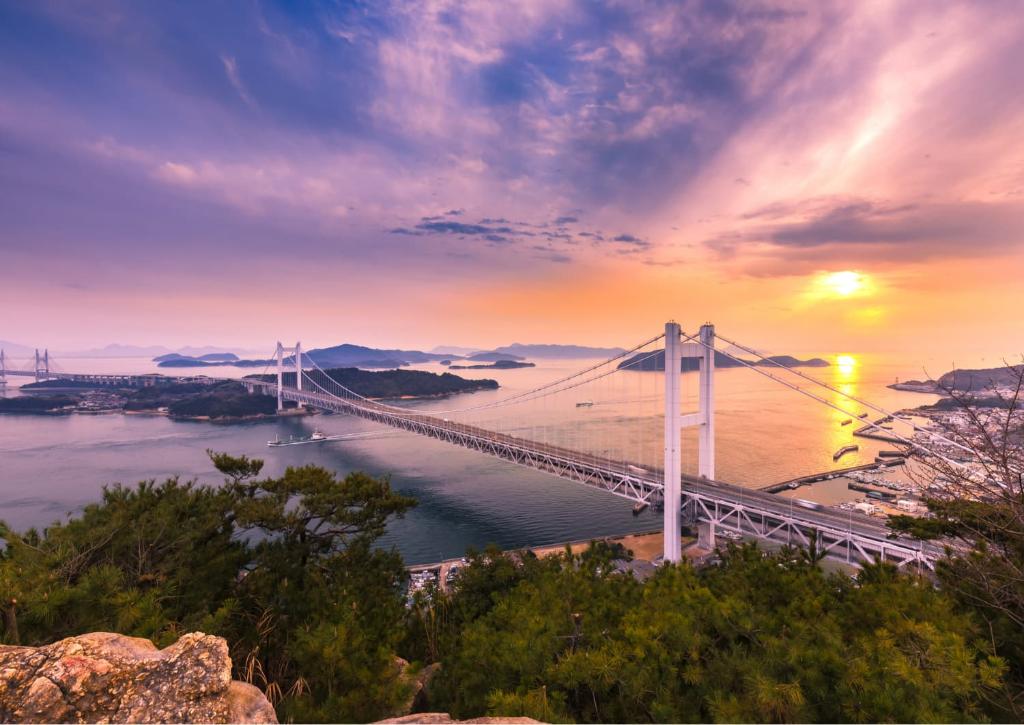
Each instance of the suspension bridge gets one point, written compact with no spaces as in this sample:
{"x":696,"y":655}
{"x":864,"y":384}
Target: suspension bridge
{"x":700,"y":500}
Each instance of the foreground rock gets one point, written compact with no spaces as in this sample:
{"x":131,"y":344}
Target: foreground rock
{"x":104,"y":677}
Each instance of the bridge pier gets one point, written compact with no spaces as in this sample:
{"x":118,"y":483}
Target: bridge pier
{"x":672,"y":548}
{"x":706,"y":535}
{"x":280,"y":377}
{"x":298,"y":369}
{"x":675,"y":420}
{"x":706,"y":437}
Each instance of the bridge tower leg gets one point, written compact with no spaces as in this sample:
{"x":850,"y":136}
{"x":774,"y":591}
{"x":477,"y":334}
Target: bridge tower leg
{"x":3,"y":371}
{"x":298,"y":365}
{"x":673,"y":429}
{"x":280,"y":376}
{"x":46,"y":362}
{"x":37,"y":364}
{"x":706,"y":411}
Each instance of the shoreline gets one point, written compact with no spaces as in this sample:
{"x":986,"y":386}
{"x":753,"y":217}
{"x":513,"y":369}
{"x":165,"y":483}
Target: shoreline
{"x":646,"y":546}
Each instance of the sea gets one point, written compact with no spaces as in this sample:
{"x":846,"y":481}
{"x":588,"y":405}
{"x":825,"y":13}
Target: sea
{"x":53,"y":466}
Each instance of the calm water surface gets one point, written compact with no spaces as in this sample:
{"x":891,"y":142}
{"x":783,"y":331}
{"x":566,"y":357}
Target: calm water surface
{"x":51,"y":466}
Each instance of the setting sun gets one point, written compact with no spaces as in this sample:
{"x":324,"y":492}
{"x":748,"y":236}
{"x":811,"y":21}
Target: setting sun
{"x":843,"y":283}
{"x":846,"y":361}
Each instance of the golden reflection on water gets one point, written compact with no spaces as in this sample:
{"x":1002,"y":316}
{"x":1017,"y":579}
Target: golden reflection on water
{"x":845,"y":380}
{"x":847,"y":366}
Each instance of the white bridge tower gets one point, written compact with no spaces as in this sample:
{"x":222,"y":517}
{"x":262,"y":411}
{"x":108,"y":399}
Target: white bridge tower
{"x":279,"y":355}
{"x":42,"y":365}
{"x":675,"y":351}
{"x":3,"y":372}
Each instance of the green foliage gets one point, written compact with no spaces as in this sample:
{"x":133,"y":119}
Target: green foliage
{"x":758,"y":638}
{"x":154,"y":561}
{"x":223,"y":405}
{"x":286,"y":569}
{"x":36,"y":403}
{"x":397,"y":383}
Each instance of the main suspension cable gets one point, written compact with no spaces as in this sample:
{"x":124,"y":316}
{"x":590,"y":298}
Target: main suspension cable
{"x":504,"y":401}
{"x":818,"y":398}
{"x":865,"y":403}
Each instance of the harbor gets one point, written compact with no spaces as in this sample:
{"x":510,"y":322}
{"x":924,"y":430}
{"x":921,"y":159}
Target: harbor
{"x":799,"y":481}
{"x":875,"y":431}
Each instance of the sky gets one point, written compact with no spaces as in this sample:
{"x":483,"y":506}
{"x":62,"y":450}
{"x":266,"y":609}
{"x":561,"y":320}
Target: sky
{"x":809,"y":176}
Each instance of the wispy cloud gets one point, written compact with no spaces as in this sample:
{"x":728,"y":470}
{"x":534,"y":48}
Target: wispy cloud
{"x":231,"y":69}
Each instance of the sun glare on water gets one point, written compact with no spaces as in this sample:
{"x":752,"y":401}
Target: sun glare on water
{"x":846,"y":363}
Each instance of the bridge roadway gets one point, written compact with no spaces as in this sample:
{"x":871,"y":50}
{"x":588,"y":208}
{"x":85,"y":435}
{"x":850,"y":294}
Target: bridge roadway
{"x":717,"y":506}
{"x":134,"y":380}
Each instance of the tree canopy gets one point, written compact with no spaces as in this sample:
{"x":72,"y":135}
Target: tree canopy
{"x":286,"y":569}
{"x":758,"y":638}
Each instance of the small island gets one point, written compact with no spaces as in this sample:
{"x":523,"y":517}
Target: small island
{"x":395,"y":384}
{"x":212,"y":400}
{"x":496,"y":365}
{"x":494,"y":357}
{"x":224,"y":400}
{"x":225,"y":357}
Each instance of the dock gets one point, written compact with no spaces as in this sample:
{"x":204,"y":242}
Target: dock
{"x":873,"y":431}
{"x":824,"y":475}
{"x":864,"y":488}
{"x":844,"y":450}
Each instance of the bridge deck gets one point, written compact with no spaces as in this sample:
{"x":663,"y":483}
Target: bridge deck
{"x":846,"y":535}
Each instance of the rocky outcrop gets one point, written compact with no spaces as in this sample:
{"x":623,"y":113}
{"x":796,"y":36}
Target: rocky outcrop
{"x":104,"y":677}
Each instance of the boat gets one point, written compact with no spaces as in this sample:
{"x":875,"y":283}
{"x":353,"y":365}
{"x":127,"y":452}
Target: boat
{"x":881,"y":495}
{"x":863,"y":415}
{"x":891,"y":454}
{"x":847,"y":421}
{"x":585,"y":404}
{"x":638,"y":507}
{"x":843,"y":451}
{"x":316,"y":437}
{"x":637,"y":469}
